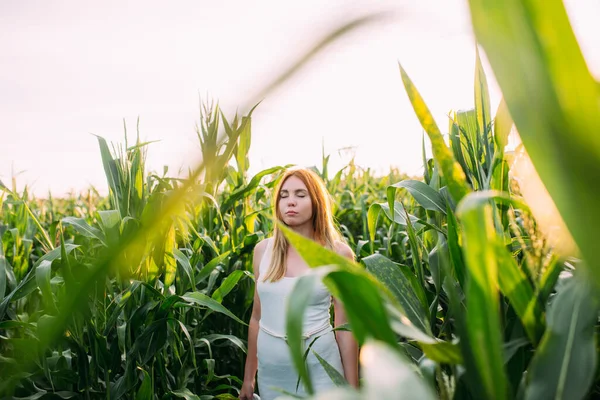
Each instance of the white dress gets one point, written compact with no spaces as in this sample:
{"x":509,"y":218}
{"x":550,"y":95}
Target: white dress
{"x":275,"y":367}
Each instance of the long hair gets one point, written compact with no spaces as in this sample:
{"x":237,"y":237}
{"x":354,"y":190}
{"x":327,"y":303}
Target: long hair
{"x":325,"y":230}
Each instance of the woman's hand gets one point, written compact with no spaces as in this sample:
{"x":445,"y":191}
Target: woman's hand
{"x":247,"y":391}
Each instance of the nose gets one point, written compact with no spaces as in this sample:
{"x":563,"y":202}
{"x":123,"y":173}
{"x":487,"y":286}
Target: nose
{"x":291,"y":201}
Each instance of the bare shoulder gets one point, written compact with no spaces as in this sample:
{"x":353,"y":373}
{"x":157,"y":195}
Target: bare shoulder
{"x":260,"y":248}
{"x":343,"y":249}
{"x":259,"y":251}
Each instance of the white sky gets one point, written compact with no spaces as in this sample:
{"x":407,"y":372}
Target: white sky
{"x":72,"y":68}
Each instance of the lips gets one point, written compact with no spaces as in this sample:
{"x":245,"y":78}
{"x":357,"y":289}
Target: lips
{"x":291,"y":213}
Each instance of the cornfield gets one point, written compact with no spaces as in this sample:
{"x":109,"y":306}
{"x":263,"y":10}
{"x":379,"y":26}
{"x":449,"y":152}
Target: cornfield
{"x":458,"y":290}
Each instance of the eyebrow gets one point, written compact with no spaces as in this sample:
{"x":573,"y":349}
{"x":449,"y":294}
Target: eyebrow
{"x":296,"y":191}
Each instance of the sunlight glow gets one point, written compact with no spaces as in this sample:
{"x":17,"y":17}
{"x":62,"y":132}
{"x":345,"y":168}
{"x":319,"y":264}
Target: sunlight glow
{"x":77,"y":69}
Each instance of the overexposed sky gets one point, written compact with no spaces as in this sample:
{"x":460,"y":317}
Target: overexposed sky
{"x":72,"y":68}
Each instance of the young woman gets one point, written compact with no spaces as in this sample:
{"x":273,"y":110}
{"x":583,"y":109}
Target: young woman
{"x":303,"y":204}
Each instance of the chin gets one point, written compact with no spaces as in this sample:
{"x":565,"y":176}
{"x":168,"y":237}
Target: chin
{"x":292,"y":222}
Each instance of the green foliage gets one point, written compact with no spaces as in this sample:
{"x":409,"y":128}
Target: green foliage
{"x":472,"y":295}
{"x":454,"y":292}
{"x":138,"y":297}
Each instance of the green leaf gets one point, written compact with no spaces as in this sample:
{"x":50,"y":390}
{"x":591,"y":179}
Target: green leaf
{"x":372,"y":217}
{"x":245,"y":190}
{"x":503,"y":124}
{"x":393,"y":277}
{"x":212,"y":264}
{"x":205,"y":301}
{"x":439,"y":261}
{"x":3,"y":268}
{"x":43,"y":274}
{"x":366,"y":313}
{"x":500,"y":177}
{"x":337,"y":393}
{"x":510,"y":348}
{"x":145,"y":391}
{"x":84,"y":228}
{"x":482,"y":343}
{"x":451,"y":171}
{"x":187,"y":267}
{"x":516,"y":287}
{"x":29,"y":283}
{"x":482,"y":96}
{"x":210,"y":369}
{"x":110,"y":220}
{"x":301,"y":295}
{"x":316,"y":255}
{"x":230,"y":338}
{"x":186,"y":333}
{"x":415,"y":250}
{"x":564,"y":364}
{"x":426,"y":174}
{"x":387,"y":374}
{"x":45,"y":324}
{"x":243,"y":148}
{"x":553,"y":100}
{"x":110,"y":224}
{"x":457,"y":142}
{"x":548,"y":280}
{"x":111,"y":171}
{"x":336,"y":377}
{"x":482,"y":198}
{"x":427,"y":197}
{"x":435,"y":349}
{"x":186,"y":394}
{"x":442,"y":352}
{"x":10,"y":324}
{"x":399,"y":216}
{"x":169,"y":260}
{"x":152,"y":340}
{"x":470,"y":140}
{"x":228,"y":284}
{"x":456,"y":257}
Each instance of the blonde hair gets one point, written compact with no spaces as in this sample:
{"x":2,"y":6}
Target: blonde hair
{"x":326,"y":232}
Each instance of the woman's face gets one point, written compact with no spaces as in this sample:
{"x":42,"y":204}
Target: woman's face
{"x":295,"y":205}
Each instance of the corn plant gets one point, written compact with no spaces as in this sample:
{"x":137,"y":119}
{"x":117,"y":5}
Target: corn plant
{"x":471,"y":305}
{"x":111,"y":310}
{"x":126,"y":303}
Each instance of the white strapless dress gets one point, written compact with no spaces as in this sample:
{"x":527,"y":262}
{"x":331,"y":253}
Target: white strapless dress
{"x":275,"y":367}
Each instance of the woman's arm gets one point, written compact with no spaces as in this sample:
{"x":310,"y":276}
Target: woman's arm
{"x":346,"y":342}
{"x":348,"y":346}
{"x":251,"y":358}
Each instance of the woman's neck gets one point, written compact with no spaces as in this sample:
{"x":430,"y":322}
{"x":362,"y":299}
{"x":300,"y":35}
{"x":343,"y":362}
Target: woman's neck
{"x":306,"y":231}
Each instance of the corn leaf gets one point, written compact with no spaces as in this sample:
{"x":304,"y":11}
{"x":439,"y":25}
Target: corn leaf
{"x":451,"y":171}
{"x":205,"y":301}
{"x":482,"y":96}
{"x":564,"y":363}
{"x":85,"y":229}
{"x":336,"y":377}
{"x":389,"y":375}
{"x":403,"y":289}
{"x":554,"y":102}
{"x":482,"y":340}
{"x":427,"y":197}
{"x":301,"y":295}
